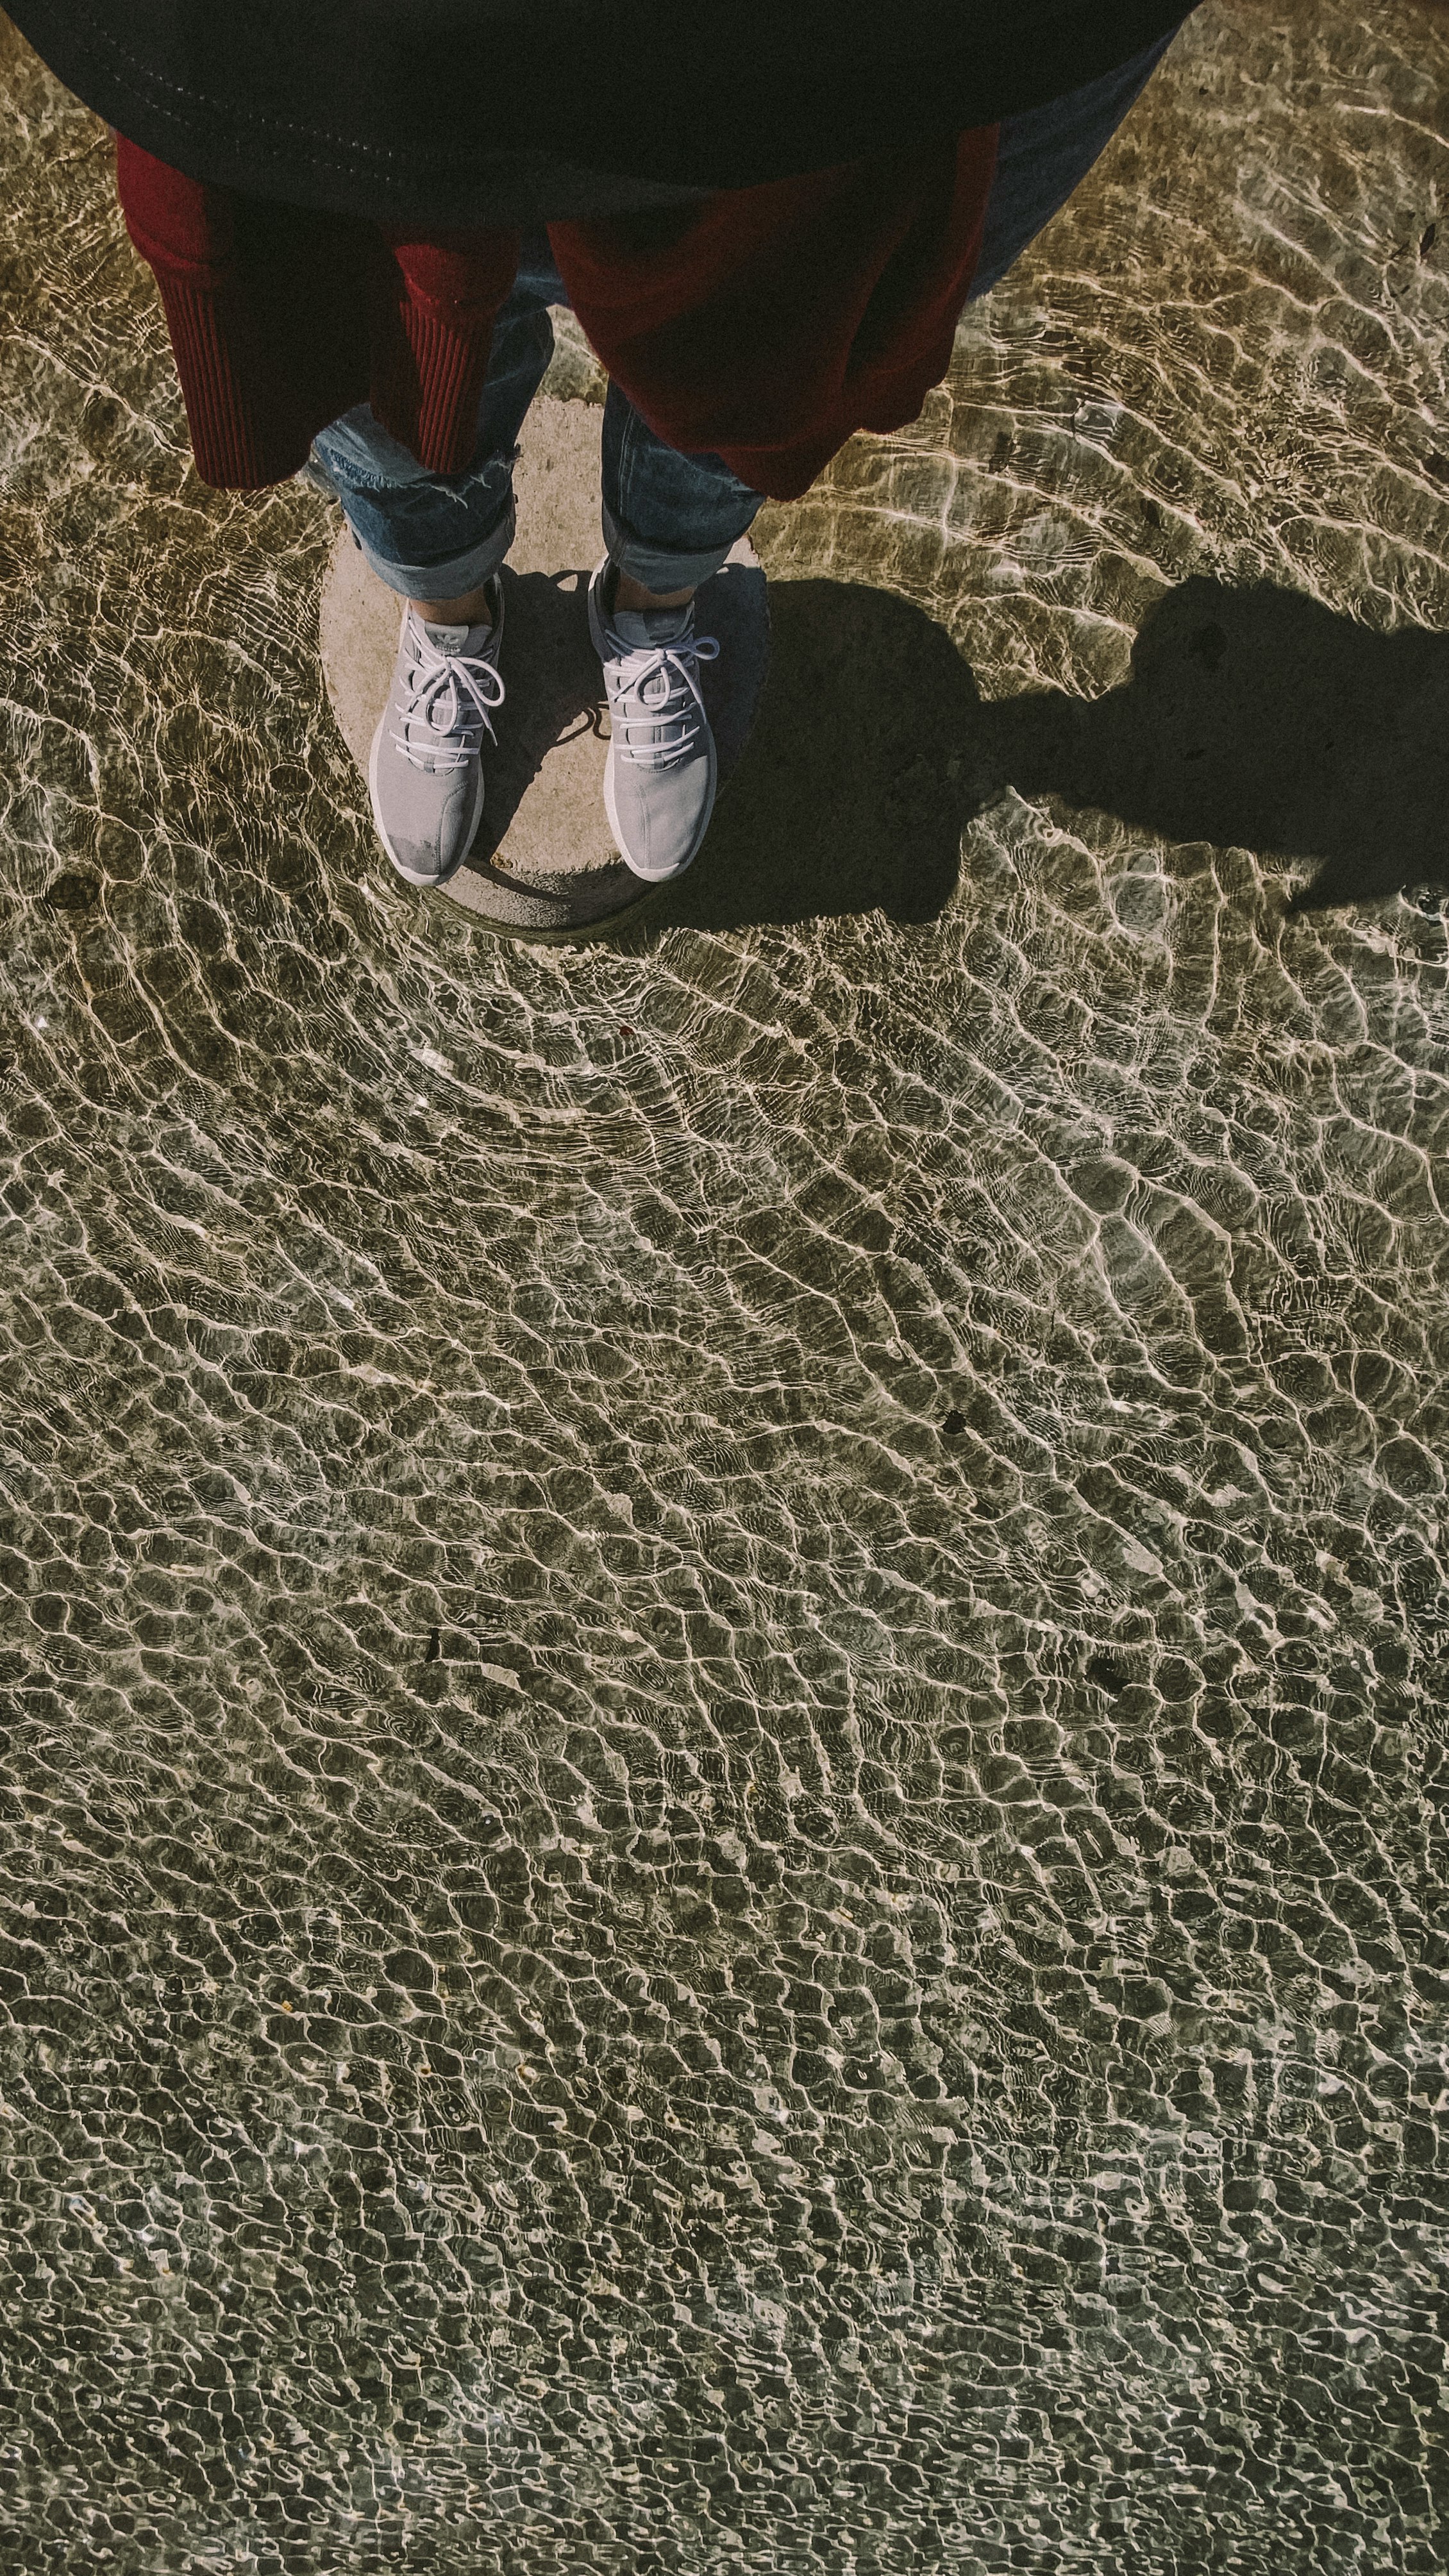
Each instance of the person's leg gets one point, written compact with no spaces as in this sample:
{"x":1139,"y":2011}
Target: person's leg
{"x":1044,"y":155}
{"x":438,"y":539}
{"x":669,"y":519}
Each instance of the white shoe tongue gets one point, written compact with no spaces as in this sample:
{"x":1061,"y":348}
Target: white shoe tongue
{"x":447,"y":639}
{"x":651,"y":625}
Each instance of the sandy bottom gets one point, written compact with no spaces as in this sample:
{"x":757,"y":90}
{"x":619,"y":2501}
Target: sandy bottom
{"x":724,"y":1664}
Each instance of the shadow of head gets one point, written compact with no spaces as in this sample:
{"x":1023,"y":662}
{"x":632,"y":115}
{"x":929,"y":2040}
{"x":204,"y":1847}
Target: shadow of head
{"x":860,"y":776}
{"x":1258,"y":719}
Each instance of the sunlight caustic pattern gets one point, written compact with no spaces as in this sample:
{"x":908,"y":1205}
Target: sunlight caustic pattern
{"x":724,"y":1660}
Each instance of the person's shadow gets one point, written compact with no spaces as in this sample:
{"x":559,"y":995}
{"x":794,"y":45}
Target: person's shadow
{"x":1252,"y":718}
{"x":859,"y":777}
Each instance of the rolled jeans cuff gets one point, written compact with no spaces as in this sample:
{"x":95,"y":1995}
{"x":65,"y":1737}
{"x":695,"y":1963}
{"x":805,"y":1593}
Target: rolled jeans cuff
{"x":661,"y":568}
{"x":447,"y":580}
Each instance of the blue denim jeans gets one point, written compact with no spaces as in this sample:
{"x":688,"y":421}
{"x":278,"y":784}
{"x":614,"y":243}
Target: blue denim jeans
{"x":669,"y":519}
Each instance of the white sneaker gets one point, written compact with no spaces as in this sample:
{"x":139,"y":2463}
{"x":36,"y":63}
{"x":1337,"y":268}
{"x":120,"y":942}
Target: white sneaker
{"x":426,"y":770}
{"x":660,"y":776}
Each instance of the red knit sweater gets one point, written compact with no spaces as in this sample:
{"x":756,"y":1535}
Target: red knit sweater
{"x":767,"y":324}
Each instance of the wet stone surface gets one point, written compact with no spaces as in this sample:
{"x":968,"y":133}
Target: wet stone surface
{"x":724,"y":1658}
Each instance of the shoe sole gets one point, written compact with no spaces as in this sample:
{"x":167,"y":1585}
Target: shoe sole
{"x":596,"y":638}
{"x":409,"y":875}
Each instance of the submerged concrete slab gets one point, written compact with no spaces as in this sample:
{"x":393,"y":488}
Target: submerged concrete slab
{"x":544,"y":864}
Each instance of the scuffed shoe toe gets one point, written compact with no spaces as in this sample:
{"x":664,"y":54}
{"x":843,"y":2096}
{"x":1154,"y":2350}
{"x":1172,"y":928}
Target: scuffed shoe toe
{"x":426,"y":767}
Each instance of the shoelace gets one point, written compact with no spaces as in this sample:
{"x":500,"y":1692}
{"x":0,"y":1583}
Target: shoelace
{"x":434,"y":694}
{"x":632,"y":669}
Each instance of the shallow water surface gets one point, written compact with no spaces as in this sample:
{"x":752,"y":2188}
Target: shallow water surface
{"x":724,"y":1659}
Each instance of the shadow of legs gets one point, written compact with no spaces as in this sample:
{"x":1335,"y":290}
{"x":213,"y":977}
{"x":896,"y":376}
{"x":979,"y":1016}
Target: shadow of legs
{"x":1253,"y":719}
{"x":859,"y":778}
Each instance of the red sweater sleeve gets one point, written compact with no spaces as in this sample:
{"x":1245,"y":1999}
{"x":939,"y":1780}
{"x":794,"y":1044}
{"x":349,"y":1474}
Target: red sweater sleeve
{"x":282,"y":317}
{"x":764,"y":323}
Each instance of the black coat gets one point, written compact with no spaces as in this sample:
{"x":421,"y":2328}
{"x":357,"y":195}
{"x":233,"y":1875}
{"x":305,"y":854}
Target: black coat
{"x":445,"y":111}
